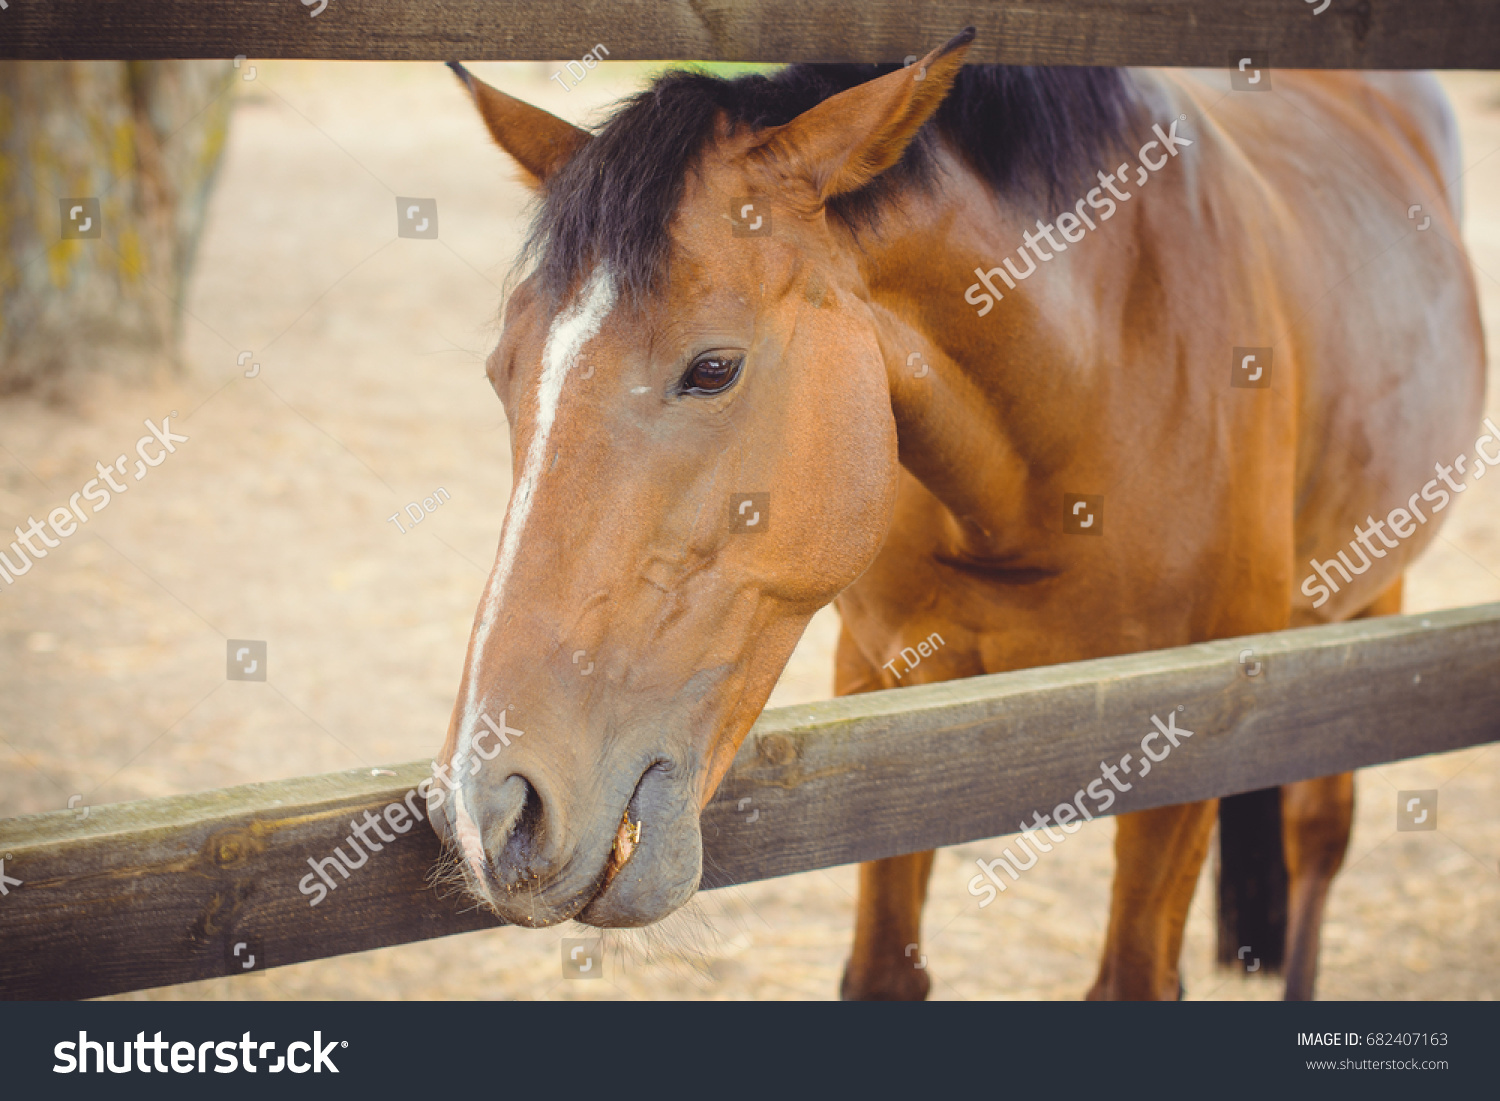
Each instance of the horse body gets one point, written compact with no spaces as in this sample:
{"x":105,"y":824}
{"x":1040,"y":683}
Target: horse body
{"x":918,"y":449}
{"x":1107,"y":372}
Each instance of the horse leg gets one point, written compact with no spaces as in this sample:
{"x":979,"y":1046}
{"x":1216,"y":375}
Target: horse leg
{"x":1316,"y":817}
{"x":891,"y":891}
{"x":1157,"y":857}
{"x":886,"y":963}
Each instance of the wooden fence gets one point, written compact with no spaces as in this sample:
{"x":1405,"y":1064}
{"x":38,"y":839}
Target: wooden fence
{"x":1349,"y":34}
{"x":146,"y":894}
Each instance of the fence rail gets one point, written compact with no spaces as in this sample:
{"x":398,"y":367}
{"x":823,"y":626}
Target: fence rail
{"x":1344,"y":34}
{"x":158,"y":892}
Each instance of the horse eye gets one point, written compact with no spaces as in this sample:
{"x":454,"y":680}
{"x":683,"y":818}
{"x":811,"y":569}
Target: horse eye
{"x":712,"y":373}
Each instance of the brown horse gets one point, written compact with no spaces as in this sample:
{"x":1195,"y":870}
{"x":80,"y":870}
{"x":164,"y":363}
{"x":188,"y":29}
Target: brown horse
{"x":1054,"y":363}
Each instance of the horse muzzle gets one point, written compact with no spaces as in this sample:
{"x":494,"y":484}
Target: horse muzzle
{"x":617,"y":863}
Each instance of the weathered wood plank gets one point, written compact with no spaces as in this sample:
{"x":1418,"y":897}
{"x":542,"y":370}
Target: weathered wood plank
{"x":1395,"y":34}
{"x":158,"y":892}
{"x":891,"y":772}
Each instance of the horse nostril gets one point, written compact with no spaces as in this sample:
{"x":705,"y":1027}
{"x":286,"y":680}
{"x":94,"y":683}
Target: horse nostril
{"x":498,"y":811}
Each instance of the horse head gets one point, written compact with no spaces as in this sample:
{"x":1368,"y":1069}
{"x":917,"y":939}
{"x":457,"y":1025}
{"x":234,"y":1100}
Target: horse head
{"x":704,"y":455}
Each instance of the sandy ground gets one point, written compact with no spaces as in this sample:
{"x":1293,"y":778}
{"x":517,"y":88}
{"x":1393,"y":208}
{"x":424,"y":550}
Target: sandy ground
{"x":271,"y":524}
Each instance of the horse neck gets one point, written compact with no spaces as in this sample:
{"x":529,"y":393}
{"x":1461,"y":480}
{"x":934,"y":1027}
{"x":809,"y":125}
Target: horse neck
{"x":1002,"y":394}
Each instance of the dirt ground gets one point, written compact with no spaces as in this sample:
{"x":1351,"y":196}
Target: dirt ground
{"x":270,"y":523}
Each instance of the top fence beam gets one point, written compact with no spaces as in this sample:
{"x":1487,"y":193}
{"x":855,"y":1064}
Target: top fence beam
{"x":1332,"y":34}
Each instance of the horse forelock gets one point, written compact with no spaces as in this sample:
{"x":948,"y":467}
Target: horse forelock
{"x":1028,"y":132}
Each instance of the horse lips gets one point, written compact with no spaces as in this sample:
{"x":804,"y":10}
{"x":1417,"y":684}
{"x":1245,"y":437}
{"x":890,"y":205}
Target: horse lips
{"x":627,"y":839}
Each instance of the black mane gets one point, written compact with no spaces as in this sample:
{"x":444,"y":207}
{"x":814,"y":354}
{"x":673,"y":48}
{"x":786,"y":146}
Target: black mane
{"x":1029,"y":132}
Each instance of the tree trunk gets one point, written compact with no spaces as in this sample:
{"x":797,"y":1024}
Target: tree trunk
{"x":105,"y":168}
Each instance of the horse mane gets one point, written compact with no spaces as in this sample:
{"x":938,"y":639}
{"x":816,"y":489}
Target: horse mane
{"x":1029,"y":132}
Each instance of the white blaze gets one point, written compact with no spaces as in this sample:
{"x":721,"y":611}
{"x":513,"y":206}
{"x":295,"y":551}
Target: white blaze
{"x":571,"y":330}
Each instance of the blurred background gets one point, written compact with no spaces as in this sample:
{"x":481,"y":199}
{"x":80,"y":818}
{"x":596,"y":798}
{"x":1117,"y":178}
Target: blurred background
{"x":328,"y":373}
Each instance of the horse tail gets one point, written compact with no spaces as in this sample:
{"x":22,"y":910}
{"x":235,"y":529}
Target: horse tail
{"x":1252,"y":880}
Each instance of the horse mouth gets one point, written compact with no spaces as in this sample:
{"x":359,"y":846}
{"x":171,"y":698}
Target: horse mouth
{"x":628,"y":834}
{"x":647,"y":866}
{"x":627,"y":840}
{"x":645,"y":877}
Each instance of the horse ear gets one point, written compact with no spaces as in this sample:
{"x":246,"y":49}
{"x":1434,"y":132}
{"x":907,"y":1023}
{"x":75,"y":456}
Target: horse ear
{"x":539,"y":142}
{"x":847,"y":140}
